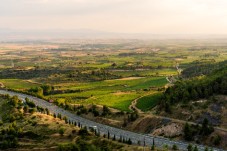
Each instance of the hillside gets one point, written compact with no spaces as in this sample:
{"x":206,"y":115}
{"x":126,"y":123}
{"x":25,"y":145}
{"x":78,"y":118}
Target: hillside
{"x":199,"y":100}
{"x":197,"y":88}
{"x":24,"y":127}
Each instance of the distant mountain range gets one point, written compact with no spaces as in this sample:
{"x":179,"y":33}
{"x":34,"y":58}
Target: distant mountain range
{"x":10,"y":35}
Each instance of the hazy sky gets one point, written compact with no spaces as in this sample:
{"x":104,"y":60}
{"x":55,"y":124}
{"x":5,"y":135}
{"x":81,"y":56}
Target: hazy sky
{"x":127,"y":16}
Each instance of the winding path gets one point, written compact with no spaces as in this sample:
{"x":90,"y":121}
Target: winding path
{"x":105,"y":129}
{"x":133,"y":107}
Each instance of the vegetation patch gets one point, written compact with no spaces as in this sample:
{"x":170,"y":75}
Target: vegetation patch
{"x":148,"y":102}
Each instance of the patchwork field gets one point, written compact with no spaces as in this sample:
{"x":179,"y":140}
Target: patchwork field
{"x":103,"y":72}
{"x":114,"y":93}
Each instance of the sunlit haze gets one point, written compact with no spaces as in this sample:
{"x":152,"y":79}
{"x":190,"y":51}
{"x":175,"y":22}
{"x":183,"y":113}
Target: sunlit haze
{"x":116,"y":16}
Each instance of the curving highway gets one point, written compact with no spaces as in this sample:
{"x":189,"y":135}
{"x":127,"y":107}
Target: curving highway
{"x":104,"y":129}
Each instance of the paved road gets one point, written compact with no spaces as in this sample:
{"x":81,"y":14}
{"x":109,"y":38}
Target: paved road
{"x":104,"y":129}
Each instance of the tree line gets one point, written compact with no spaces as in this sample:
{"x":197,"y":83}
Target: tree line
{"x":193,"y":89}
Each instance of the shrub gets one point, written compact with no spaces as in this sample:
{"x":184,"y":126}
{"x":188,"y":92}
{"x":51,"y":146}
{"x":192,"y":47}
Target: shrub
{"x":61,"y":131}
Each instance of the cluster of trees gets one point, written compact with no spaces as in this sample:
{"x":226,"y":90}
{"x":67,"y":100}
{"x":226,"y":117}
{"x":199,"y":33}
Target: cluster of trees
{"x":190,"y":131}
{"x":14,"y":101}
{"x":137,"y":65}
{"x":13,"y":109}
{"x":29,"y":106}
{"x":191,"y":148}
{"x":41,"y":91}
{"x":194,"y":89}
{"x":216,"y":140}
{"x":195,"y":148}
{"x":83,"y":110}
{"x":59,"y":73}
{"x":94,"y":111}
{"x":94,"y":75}
{"x":9,"y":136}
{"x":133,"y":116}
{"x":82,"y":145}
{"x":84,"y":134}
{"x":130,"y":118}
{"x":79,"y":110}
{"x":202,"y":68}
{"x":43,"y":72}
{"x":123,"y":140}
{"x":30,"y":103}
{"x":105,"y":111}
{"x":16,"y":105}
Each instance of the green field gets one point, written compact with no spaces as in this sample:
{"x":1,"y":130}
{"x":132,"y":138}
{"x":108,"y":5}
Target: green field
{"x":17,"y":84}
{"x":118,"y":101}
{"x":142,"y":73}
{"x":148,"y":102}
{"x":114,"y":93}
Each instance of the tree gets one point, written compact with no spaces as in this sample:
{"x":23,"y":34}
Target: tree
{"x":195,"y":148}
{"x":26,"y":99}
{"x":66,"y":120}
{"x":74,"y":107}
{"x":59,"y":116}
{"x":186,"y":96}
{"x":114,"y":64}
{"x":206,"y":93}
{"x":14,"y":100}
{"x":216,"y":87}
{"x":168,"y":107}
{"x":120,"y":139}
{"x":194,"y":94}
{"x":217,"y":140}
{"x":108,"y":135}
{"x":129,"y":141}
{"x":37,"y":91}
{"x":114,"y":138}
{"x":30,"y":103}
{"x":153,"y":145}
{"x":32,"y":110}
{"x":95,"y":113}
{"x":106,"y":111}
{"x":25,"y":109}
{"x":61,"y":131}
{"x":188,"y":132}
{"x":46,"y":89}
{"x":133,"y":116}
{"x":83,"y":131}
{"x":206,"y":128}
{"x":175,"y":147}
{"x":190,"y":148}
{"x":47,"y":111}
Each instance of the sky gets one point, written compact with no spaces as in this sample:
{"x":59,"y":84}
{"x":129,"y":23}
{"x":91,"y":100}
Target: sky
{"x":118,"y":16}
